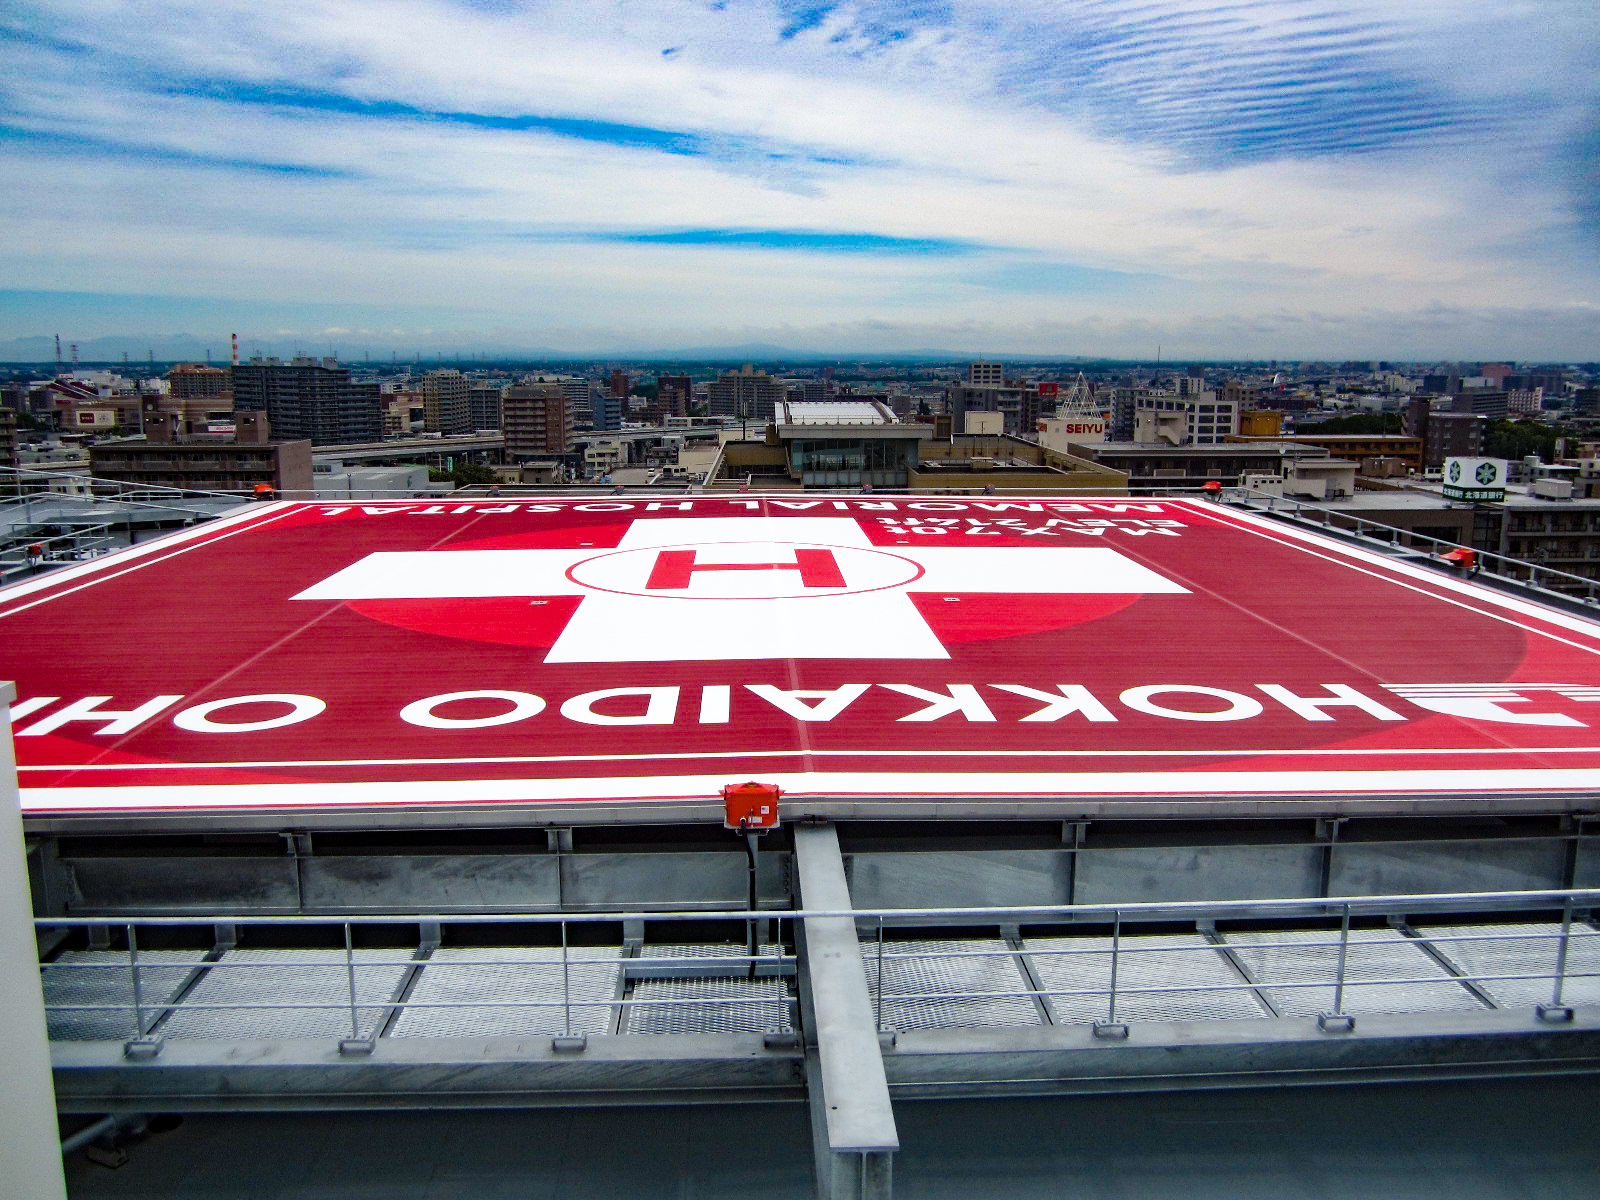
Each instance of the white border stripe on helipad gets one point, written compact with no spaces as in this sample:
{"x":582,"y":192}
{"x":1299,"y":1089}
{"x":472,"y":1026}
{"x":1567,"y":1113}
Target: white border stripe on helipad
{"x":802,"y":752}
{"x":1436,"y":579}
{"x":103,"y":568}
{"x":885,"y":784}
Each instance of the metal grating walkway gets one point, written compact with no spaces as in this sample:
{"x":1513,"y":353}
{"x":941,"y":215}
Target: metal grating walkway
{"x":1522,"y":949}
{"x":916,"y":984}
{"x":506,"y":991}
{"x":1082,"y":965}
{"x":1297,"y":969}
{"x":962,"y":983}
{"x":730,"y":1001}
{"x":101,"y":977}
{"x":277,"y":985}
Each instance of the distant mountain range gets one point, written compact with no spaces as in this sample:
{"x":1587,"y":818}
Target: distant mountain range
{"x":178,"y":347}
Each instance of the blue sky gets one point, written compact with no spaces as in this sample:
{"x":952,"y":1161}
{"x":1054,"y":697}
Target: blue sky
{"x":1272,"y":178}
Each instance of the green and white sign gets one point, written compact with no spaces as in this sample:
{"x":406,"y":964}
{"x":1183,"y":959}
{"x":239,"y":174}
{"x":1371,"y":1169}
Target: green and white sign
{"x":1475,"y":479}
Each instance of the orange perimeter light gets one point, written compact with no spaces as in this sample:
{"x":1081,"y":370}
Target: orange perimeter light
{"x":750,"y":806}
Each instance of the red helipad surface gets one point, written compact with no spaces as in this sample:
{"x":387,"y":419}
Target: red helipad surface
{"x":889,"y":654}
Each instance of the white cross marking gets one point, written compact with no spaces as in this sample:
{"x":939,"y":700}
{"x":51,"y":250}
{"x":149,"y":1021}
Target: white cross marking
{"x":742,"y":613}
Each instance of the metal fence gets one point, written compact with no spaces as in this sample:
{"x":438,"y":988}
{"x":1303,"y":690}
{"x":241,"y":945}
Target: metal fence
{"x":1078,"y":963}
{"x":1390,"y":537}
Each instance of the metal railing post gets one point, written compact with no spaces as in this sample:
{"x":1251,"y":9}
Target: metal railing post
{"x":566,"y":985}
{"x":138,"y":989}
{"x":1344,"y":957}
{"x":138,"y":1046}
{"x":878,"y":985}
{"x":1556,"y":1010}
{"x":1338,"y":1021}
{"x":350,"y":975}
{"x":1111,"y":1027}
{"x":355,"y":1043}
{"x":568,"y":1040}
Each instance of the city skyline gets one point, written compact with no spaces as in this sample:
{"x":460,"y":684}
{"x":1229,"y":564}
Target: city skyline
{"x":1269,"y":180}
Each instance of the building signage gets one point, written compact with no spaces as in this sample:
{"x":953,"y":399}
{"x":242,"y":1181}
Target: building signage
{"x":1479,"y":479}
{"x":1063,"y":654}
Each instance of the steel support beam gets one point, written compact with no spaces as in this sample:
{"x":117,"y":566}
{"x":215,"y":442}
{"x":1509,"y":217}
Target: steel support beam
{"x":852,"y":1119}
{"x":27,"y":1102}
{"x":215,"y":1075}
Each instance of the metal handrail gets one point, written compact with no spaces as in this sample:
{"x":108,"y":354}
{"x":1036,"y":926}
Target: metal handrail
{"x":1350,"y":523}
{"x":145,"y":1042}
{"x":1413,"y":902}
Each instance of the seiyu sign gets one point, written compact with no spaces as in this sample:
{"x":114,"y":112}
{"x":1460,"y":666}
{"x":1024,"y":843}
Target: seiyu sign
{"x":1475,"y":479}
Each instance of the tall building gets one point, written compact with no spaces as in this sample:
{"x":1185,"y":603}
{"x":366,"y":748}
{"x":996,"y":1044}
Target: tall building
{"x":1444,"y":434}
{"x":986,"y":375}
{"x":537,"y":419}
{"x":606,"y":409}
{"x":8,"y":438}
{"x":483,"y":406}
{"x":618,"y":383}
{"x":197,"y":380}
{"x":1018,"y":405}
{"x":446,"y":403}
{"x":579,"y":391}
{"x":674,"y":395}
{"x":308,"y":398}
{"x":745,"y":393}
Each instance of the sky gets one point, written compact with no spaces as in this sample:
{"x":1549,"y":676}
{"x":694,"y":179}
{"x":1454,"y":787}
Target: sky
{"x":1204,"y":178}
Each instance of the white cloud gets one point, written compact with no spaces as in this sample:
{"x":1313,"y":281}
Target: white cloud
{"x":1034,"y":129}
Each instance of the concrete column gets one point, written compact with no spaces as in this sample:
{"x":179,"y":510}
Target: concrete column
{"x":30,"y":1145}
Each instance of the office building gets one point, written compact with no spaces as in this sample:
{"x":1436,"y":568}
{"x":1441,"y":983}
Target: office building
{"x":483,"y":406}
{"x":1483,"y":402}
{"x":446,"y":403}
{"x":607,"y":409}
{"x":986,"y":375}
{"x":1444,"y":433}
{"x":311,"y":399}
{"x":1197,"y":418}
